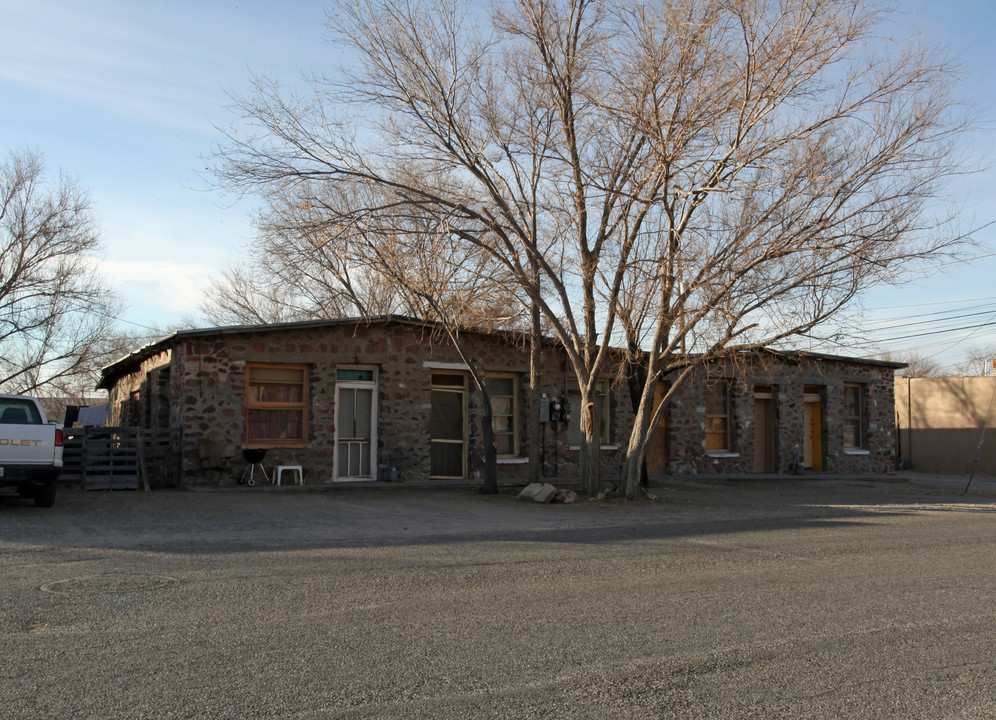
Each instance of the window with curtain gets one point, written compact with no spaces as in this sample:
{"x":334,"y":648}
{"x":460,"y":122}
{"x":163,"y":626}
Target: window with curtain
{"x":502,"y":389}
{"x":717,"y":417}
{"x":276,"y":405}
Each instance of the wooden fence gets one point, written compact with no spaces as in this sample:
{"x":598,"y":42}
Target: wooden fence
{"x":121,"y":458}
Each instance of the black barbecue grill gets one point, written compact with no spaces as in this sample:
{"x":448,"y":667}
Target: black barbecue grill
{"x":253,"y":457}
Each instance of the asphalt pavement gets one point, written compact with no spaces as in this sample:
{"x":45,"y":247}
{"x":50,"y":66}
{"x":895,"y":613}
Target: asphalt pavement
{"x":804,"y":597}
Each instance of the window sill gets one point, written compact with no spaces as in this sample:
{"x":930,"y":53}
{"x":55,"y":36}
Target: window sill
{"x":276,"y":445}
{"x":722,"y":454}
{"x":856,"y":451}
{"x":513,"y":461}
{"x":602,"y":447}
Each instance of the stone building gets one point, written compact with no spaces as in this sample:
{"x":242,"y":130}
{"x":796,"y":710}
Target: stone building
{"x":389,"y":398}
{"x":780,"y":412}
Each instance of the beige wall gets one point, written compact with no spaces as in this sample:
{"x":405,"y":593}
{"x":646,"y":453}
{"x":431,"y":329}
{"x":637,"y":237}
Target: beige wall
{"x":941,"y":422}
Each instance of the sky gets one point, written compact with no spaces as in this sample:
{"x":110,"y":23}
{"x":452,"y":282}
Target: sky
{"x":127,"y":97}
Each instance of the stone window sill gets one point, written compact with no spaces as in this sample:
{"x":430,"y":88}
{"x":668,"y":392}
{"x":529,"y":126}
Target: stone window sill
{"x":856,"y":451}
{"x":513,"y":461}
{"x":278,"y":445}
{"x":723,"y":454}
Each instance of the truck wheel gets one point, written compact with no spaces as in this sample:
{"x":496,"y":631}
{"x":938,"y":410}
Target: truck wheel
{"x":45,"y":495}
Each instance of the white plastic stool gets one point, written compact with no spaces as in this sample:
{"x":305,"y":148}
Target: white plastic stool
{"x":291,"y":468}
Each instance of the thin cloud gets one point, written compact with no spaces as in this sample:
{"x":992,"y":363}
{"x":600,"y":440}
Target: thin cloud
{"x":135,"y":59}
{"x":169,"y":285}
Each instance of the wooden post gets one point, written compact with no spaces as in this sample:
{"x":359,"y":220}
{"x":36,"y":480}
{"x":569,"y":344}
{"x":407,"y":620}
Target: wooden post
{"x":141,"y":459}
{"x":83,"y":458}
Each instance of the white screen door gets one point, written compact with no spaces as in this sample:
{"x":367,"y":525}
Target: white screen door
{"x":355,"y":425}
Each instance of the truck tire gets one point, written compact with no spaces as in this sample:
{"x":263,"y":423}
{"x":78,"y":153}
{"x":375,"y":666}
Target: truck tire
{"x":45,"y":495}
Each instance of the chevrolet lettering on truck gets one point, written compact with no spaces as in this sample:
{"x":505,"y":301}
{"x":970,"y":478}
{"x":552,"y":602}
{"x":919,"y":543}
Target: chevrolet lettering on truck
{"x":30,"y":449}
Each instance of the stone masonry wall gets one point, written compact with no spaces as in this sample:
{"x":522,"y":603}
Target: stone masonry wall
{"x":207,"y":381}
{"x":789,"y":380}
{"x":126,"y":397}
{"x":199,"y":385}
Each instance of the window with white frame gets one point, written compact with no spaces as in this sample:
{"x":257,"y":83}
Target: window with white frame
{"x":503,"y":392}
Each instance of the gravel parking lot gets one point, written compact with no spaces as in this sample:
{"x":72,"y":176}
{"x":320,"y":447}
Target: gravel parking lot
{"x":785,"y":598}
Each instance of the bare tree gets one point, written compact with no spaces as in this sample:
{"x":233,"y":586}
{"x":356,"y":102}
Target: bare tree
{"x":308,"y":264}
{"x":305,"y":264}
{"x":433,"y":269}
{"x":917,"y":366}
{"x":979,"y":362}
{"x":295,"y":270}
{"x":55,"y":312}
{"x":246,"y":294}
{"x":743,"y":167}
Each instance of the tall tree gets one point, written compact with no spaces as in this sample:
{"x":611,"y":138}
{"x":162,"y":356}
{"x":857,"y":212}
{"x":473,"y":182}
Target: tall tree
{"x":307,"y":264}
{"x":742,"y":167}
{"x":55,"y":311}
{"x":433,"y":269}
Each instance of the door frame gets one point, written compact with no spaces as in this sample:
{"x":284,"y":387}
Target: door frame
{"x":658,"y":449}
{"x":812,"y":406}
{"x":460,"y":390}
{"x":374,"y":404}
{"x":764,"y":397}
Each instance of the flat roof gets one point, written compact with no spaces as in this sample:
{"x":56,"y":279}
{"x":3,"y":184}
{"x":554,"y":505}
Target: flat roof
{"x":134,"y":359}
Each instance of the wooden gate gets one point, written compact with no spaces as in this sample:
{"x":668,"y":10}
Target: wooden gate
{"x":120,"y":458}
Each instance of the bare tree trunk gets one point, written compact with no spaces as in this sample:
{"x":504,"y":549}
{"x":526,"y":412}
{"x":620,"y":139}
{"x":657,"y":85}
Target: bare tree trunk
{"x":636,"y":455}
{"x":533,"y":429}
{"x":591,"y":478}
{"x":644,"y":419}
{"x":636,"y":379}
{"x":591,"y":446}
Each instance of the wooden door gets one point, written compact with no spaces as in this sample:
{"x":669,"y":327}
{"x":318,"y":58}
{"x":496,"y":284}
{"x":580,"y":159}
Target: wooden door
{"x":812,"y":433}
{"x":764,"y":434}
{"x":657,"y":449}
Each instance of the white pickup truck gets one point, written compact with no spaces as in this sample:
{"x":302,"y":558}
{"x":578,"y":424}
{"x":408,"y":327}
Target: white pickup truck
{"x":30,"y":449}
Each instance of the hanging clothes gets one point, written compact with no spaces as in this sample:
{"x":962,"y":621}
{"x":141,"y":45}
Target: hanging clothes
{"x":93,"y":415}
{"x":72,"y":414}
